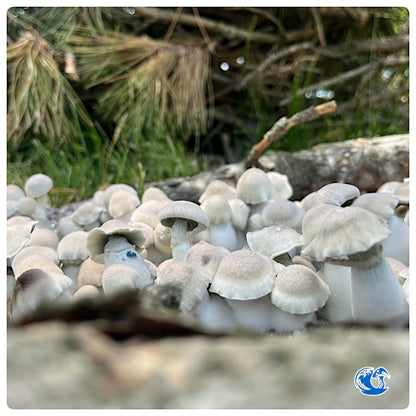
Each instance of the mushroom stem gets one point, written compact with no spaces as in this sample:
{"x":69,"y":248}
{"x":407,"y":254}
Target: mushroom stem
{"x":377,"y":295}
{"x":179,"y":240}
{"x":119,"y":250}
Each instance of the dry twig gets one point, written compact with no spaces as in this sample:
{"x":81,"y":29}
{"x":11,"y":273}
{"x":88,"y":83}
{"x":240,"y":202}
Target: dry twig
{"x":284,"y":124}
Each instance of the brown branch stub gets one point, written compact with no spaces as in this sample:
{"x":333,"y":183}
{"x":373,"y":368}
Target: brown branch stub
{"x":284,"y":124}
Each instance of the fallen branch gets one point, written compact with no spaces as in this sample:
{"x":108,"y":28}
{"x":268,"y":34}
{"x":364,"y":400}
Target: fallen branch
{"x":283,"y":125}
{"x":228,"y":31}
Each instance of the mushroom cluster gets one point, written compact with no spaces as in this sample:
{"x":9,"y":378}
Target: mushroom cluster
{"x":244,"y":257}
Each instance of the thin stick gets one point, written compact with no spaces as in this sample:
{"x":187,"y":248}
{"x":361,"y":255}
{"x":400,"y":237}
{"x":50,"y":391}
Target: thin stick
{"x":284,"y":124}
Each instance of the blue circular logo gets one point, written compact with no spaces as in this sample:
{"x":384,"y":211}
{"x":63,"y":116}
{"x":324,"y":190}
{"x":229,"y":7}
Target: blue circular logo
{"x":370,"y":381}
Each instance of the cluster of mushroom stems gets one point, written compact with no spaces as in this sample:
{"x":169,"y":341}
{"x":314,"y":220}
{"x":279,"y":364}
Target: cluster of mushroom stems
{"x":244,"y":257}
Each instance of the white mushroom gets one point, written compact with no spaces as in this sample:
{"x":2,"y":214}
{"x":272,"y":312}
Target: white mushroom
{"x":122,"y":204}
{"x":283,"y":212}
{"x":37,"y":187}
{"x":218,"y":187}
{"x":14,"y":192}
{"x":281,"y":184}
{"x":255,"y":187}
{"x":19,"y":229}
{"x":352,"y":237}
{"x":185,"y":219}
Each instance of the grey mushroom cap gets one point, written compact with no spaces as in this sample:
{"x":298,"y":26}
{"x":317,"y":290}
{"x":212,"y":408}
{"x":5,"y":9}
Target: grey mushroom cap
{"x":244,"y":274}
{"x":275,"y":240}
{"x":283,"y":212}
{"x":382,"y":204}
{"x":197,"y":219}
{"x":335,"y":194}
{"x":38,"y":185}
{"x":98,"y":237}
{"x":345,"y":232}
{"x":255,"y":187}
{"x":297,"y":289}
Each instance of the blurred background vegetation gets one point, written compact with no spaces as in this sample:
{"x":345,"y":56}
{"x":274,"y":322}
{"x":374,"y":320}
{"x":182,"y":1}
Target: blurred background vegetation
{"x":106,"y":95}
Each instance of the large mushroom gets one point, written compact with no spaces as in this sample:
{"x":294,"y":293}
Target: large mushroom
{"x":185,"y":219}
{"x":352,"y":237}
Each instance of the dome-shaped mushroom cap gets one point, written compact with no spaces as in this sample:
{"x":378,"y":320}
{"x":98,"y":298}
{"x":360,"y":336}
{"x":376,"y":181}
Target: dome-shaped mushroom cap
{"x":217,"y":209}
{"x":402,"y":192}
{"x":38,"y":185}
{"x":27,"y":251}
{"x":281,"y":183}
{"x":122,"y":202}
{"x":205,"y":257}
{"x":297,"y":289}
{"x":148,"y":212}
{"x":14,"y":192}
{"x":239,"y":213}
{"x":244,"y":274}
{"x":114,"y":188}
{"x":73,"y":247}
{"x":254,"y":187}
{"x":275,"y":240}
{"x":155,"y":194}
{"x":218,"y":187}
{"x":196,"y":218}
{"x":381,"y":204}
{"x":283,"y":212}
{"x":19,"y":229}
{"x":313,"y":219}
{"x":90,"y":273}
{"x":98,"y":237}
{"x":184,"y":277}
{"x":27,"y":206}
{"x":347,"y":231}
{"x":119,"y":278}
{"x":87,"y":213}
{"x":44,"y":237}
{"x":335,"y":194}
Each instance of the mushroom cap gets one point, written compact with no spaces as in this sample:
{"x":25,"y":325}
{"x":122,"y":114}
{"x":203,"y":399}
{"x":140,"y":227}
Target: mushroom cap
{"x":148,"y":232}
{"x":19,"y":229}
{"x":297,"y":289}
{"x":382,"y":204}
{"x":155,"y":194}
{"x":72,"y":249}
{"x":38,"y":185}
{"x":86,"y":291}
{"x":44,"y":237}
{"x":275,"y":240}
{"x":255,"y":222}
{"x":48,"y":252}
{"x":239,"y":213}
{"x":281,"y":183}
{"x":119,"y":278}
{"x":14,"y":192}
{"x":98,"y":237}
{"x":122,"y":202}
{"x":162,"y":239}
{"x":347,"y":231}
{"x":283,"y":212}
{"x":218,"y":187}
{"x":254,"y":187}
{"x":148,"y":212}
{"x":313,"y":219}
{"x":205,"y":258}
{"x":87,"y":213}
{"x":12,"y":207}
{"x":27,"y":206}
{"x":67,"y":225}
{"x":33,"y":288}
{"x":242,"y":275}
{"x":335,"y":194}
{"x":389,"y":187}
{"x":183,"y":276}
{"x":114,"y":188}
{"x":90,"y":273}
{"x":217,"y":209}
{"x":197,"y":219}
{"x":402,"y":192}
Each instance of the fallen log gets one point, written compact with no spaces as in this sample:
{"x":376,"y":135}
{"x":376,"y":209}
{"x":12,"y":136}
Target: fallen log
{"x":365,"y":163}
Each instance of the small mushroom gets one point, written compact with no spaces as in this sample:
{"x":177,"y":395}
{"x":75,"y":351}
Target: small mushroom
{"x":86,"y":292}
{"x":114,"y":243}
{"x":281,"y":184}
{"x":283,"y":212}
{"x":14,"y":192}
{"x":34,"y":288}
{"x":87,"y":215}
{"x":155,"y":194}
{"x":118,"y":278}
{"x":43,"y":237}
{"x":221,"y":231}
{"x":300,"y":292}
{"x":255,"y":187}
{"x":37,"y":187}
{"x":122,"y":204}
{"x":148,"y":212}
{"x":339,"y":194}
{"x":244,"y":278}
{"x":185,"y":219}
{"x":90,"y":273}
{"x":218,"y":187}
